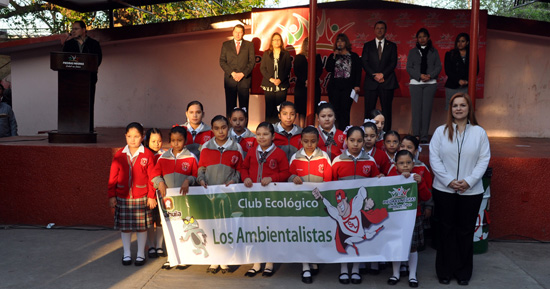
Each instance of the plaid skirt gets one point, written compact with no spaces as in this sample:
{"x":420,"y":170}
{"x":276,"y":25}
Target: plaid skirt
{"x":418,"y":234}
{"x":132,"y":214}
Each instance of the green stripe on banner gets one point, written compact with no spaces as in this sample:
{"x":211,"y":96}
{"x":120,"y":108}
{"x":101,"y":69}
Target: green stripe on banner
{"x":400,"y":197}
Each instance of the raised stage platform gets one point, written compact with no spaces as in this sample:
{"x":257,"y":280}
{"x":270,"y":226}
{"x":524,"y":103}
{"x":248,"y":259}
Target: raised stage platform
{"x":66,"y":184}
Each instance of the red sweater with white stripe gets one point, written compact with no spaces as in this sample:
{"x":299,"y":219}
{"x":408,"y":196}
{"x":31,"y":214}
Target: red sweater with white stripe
{"x":315,"y":168}
{"x":130,"y":179}
{"x":291,"y":142}
{"x":382,"y":160}
{"x":247,"y":140}
{"x":345,"y":167}
{"x":216,"y":167}
{"x":202,"y":135}
{"x":275,"y":166}
{"x":173,"y":170}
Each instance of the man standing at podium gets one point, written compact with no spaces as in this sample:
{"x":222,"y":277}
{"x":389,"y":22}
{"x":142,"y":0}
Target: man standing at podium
{"x":237,"y":60}
{"x":79,"y":42}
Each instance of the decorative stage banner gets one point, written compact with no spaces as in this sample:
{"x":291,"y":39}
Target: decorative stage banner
{"x":358,"y":24}
{"x":343,"y":221}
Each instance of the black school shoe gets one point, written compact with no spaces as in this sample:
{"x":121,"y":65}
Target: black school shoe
{"x":126,"y":260}
{"x":139,"y":261}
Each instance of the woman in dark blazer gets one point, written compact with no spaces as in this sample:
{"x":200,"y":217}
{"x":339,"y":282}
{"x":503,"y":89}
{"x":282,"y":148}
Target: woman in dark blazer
{"x":300,"y":90}
{"x":275,"y":68}
{"x":423,"y":66}
{"x":345,"y":75}
{"x":457,"y":65}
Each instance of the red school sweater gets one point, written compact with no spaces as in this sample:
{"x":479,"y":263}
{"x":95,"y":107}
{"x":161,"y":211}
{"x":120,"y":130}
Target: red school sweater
{"x":334,"y":149}
{"x":346,"y":168}
{"x":382,"y":160}
{"x":315,"y":169}
{"x":247,"y":140}
{"x":216,"y":167}
{"x":290,"y":143}
{"x":274,"y":166}
{"x":130,"y":179}
{"x":173,"y":170}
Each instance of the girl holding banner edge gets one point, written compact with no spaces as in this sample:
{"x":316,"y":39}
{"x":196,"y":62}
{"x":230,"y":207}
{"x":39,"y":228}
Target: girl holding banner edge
{"x":354,"y":163}
{"x":220,"y":162}
{"x":265,"y":164}
{"x":176,"y":168}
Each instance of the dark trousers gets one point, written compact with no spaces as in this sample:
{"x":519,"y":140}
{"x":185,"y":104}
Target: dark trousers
{"x":242,"y":90}
{"x":456,"y":217}
{"x":272,"y":100}
{"x":386,"y":99}
{"x":340,"y":100}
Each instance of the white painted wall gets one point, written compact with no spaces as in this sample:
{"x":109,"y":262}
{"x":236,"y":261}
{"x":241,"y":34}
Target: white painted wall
{"x":152,"y":80}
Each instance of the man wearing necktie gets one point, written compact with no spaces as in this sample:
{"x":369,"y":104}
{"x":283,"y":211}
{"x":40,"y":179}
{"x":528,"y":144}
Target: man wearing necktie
{"x":237,"y":60}
{"x":379,"y":61}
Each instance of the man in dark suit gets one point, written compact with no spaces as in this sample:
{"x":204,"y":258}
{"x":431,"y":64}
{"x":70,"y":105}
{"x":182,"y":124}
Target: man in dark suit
{"x":379,"y":61}
{"x":237,"y":60}
{"x":79,"y":42}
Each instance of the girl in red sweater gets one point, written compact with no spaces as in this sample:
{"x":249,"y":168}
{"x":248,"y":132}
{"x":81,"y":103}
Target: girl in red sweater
{"x":404,"y":164}
{"x":287,"y":134}
{"x":239,"y":132}
{"x":130,"y":192}
{"x":353,"y":164}
{"x":392,"y":140}
{"x":310,"y":164}
{"x":266,"y":164}
{"x":220,"y":162}
{"x":371,"y":134}
{"x":379,"y":119}
{"x":331,"y":140}
{"x":197,"y":131}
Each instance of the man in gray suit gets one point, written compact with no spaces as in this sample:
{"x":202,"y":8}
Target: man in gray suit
{"x":379,"y":61}
{"x":237,"y":60}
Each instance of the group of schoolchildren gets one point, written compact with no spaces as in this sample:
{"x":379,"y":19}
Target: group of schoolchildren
{"x":227,"y":152}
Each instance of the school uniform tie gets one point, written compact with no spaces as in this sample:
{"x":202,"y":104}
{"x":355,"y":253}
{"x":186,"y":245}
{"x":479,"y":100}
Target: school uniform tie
{"x":263,"y":157}
{"x":330,"y":138}
{"x":221,"y":149}
{"x":287,"y":134}
{"x":238,"y":139}
{"x":194,"y":134}
{"x":379,"y":50}
{"x":238,"y":46}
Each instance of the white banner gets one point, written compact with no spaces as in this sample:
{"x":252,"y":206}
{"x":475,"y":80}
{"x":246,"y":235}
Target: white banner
{"x":362,"y":220}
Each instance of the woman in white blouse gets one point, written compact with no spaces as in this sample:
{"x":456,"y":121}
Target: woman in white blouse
{"x":459,"y":156}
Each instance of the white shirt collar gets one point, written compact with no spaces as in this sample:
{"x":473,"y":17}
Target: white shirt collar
{"x":268,"y":149}
{"x":126,"y":150}
{"x":199,"y":128}
{"x":292,"y":131}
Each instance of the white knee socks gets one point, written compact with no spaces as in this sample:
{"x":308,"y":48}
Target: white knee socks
{"x":413,"y":263}
{"x":126,"y":241}
{"x":141,"y":241}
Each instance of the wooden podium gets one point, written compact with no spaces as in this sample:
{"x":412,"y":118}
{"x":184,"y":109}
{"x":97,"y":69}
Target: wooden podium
{"x":76,"y":87}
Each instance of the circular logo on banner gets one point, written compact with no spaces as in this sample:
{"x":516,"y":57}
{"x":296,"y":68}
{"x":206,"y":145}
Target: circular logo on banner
{"x":168,"y":203}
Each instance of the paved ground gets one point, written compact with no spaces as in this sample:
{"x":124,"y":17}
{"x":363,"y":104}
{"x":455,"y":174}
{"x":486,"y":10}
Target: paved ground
{"x":68,"y":258}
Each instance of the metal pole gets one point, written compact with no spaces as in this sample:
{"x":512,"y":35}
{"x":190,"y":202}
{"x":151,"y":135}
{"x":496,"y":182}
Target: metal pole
{"x":474,"y":37}
{"x":312,"y":54}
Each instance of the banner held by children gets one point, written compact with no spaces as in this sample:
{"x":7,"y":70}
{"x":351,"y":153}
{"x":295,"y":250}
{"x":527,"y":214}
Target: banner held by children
{"x":363,"y":220}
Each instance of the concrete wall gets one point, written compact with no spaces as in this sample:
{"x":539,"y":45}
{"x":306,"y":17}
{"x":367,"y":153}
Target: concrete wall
{"x":151,"y":80}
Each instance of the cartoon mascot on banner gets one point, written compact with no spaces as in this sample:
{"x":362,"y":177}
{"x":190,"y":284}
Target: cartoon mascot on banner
{"x":353,"y":220}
